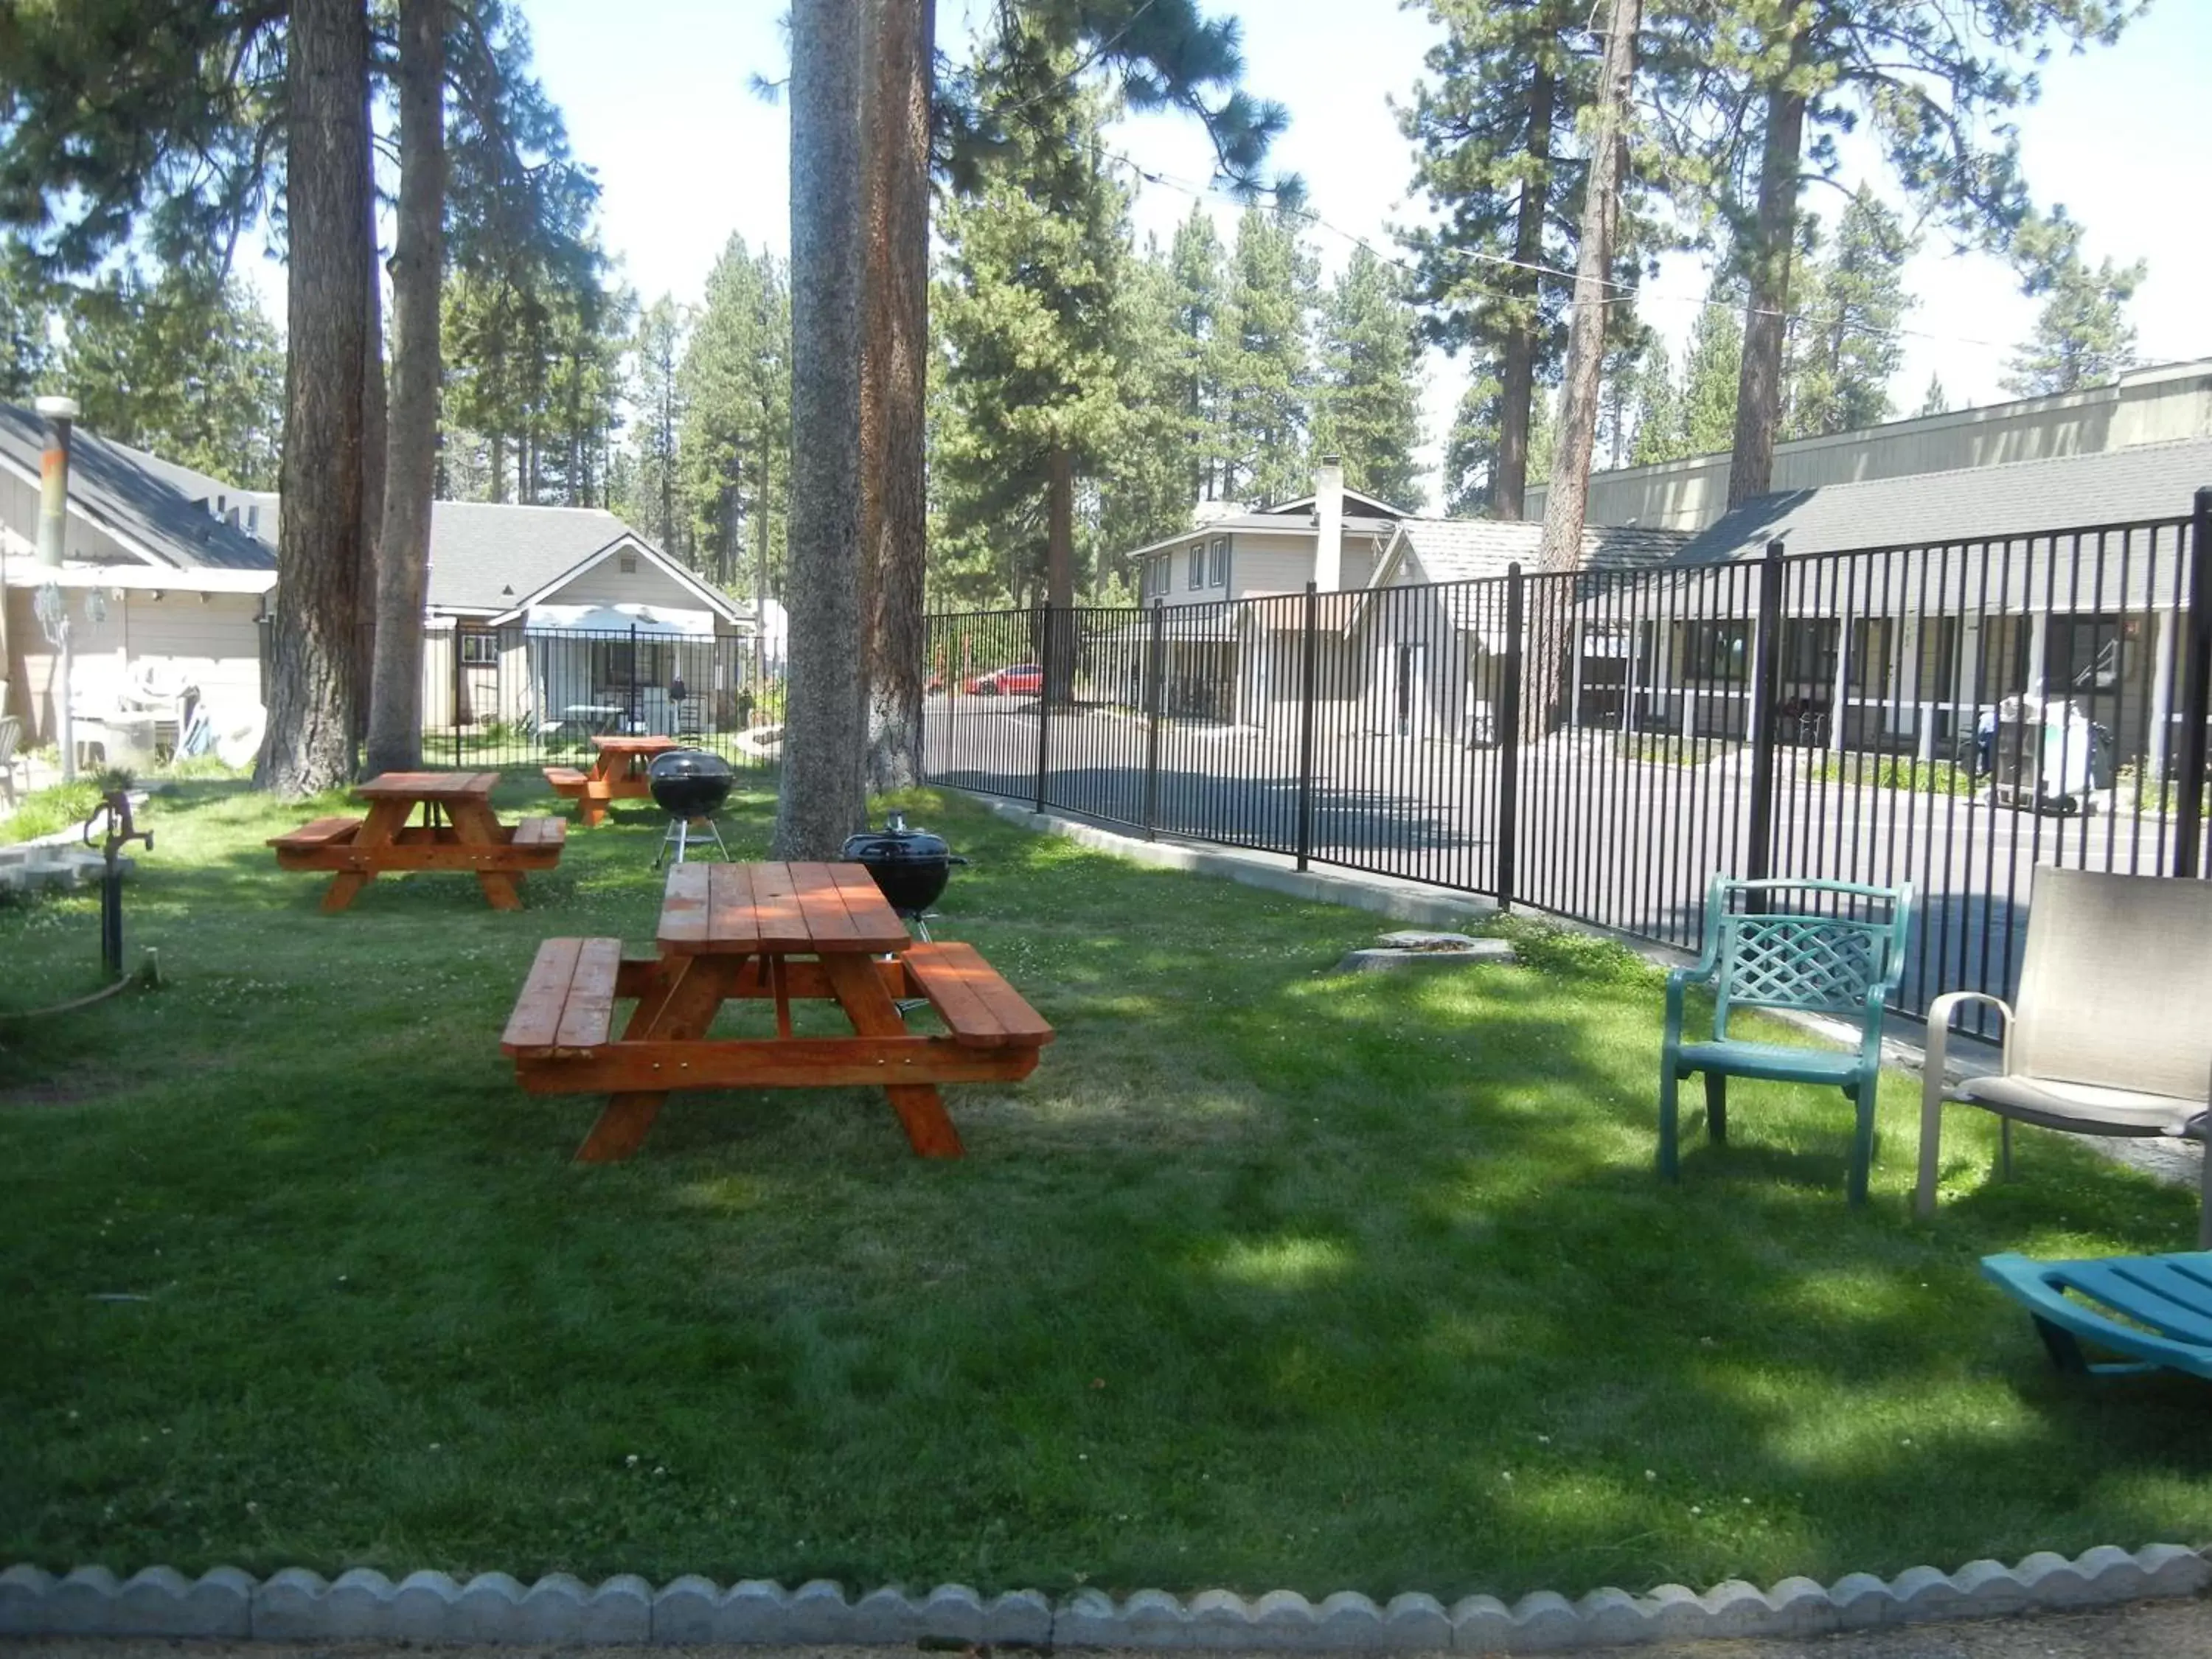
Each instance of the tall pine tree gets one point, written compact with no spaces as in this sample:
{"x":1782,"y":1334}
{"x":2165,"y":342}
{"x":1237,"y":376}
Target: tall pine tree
{"x":1367,"y":405}
{"x":1843,"y":343}
{"x":2082,"y":336}
{"x":1267,"y":369}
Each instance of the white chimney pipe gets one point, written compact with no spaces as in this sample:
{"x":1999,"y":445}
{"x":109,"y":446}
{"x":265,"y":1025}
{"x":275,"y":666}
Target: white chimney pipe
{"x":1329,"y":523}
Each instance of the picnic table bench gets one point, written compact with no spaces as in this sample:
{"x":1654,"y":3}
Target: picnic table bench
{"x":617,"y":772}
{"x":779,"y":933}
{"x":459,"y":832}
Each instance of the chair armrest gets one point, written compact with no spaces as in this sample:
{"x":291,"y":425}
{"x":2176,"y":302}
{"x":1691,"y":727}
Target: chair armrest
{"x":1678,"y":980}
{"x":1931,"y":1086}
{"x":1939,"y":1026}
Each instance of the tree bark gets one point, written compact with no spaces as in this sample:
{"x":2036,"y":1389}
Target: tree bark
{"x":824,"y":732}
{"x":374,"y":435}
{"x":1517,"y":360}
{"x":308,"y":746}
{"x":1058,"y":652}
{"x":498,"y":459}
{"x":1759,"y":385}
{"x":894,"y":383}
{"x":395,"y":722}
{"x":1567,"y":500}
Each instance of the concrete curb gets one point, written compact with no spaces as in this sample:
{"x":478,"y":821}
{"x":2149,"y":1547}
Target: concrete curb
{"x":362,"y":1605}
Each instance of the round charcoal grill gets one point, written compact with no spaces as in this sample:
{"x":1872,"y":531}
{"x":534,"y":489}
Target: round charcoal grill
{"x":910,"y":866}
{"x":690,"y":785}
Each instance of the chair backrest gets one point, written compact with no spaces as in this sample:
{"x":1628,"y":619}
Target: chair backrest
{"x":1820,"y":950}
{"x":11,"y":733}
{"x":2116,"y":982}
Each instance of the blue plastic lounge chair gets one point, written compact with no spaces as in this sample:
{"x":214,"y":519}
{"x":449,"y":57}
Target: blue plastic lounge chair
{"x":2167,"y":1300}
{"x":1841,"y":956}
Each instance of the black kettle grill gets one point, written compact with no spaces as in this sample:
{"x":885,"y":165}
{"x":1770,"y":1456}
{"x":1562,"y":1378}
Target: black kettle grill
{"x":910,"y":866}
{"x":690,"y":785}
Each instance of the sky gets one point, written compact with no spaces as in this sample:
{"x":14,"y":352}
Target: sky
{"x":658,"y":99}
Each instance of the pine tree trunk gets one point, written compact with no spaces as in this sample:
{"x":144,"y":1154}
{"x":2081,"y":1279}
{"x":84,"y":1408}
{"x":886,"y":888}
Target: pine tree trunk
{"x":1059,"y":653}
{"x":1759,"y":386}
{"x":1517,"y":358}
{"x":894,"y":383}
{"x":308,"y":747}
{"x":825,"y":730}
{"x":373,"y":423}
{"x":395,"y":720}
{"x":499,"y":466}
{"x":1566,"y":502}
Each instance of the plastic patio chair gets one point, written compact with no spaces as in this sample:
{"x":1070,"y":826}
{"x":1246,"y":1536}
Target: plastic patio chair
{"x":2110,"y":1032}
{"x":1842,"y":962}
{"x":2166,"y":1299}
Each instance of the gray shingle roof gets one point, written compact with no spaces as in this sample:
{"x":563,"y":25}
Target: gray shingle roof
{"x":479,"y":550}
{"x":2117,"y":486}
{"x":1459,"y":550}
{"x":111,"y":485}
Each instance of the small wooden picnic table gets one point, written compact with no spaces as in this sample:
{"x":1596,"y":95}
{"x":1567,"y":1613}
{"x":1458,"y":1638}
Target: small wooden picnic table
{"x":781,"y":932}
{"x":460,"y":831}
{"x":618,"y":772}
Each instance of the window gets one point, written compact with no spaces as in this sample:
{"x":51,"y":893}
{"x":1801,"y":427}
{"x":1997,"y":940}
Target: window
{"x":627,"y":563}
{"x":2082,"y":655}
{"x":1808,"y":654}
{"x":1198,"y":565}
{"x":616,"y":663}
{"x":480,"y":650}
{"x":1715,"y":651}
{"x":1218,"y":574}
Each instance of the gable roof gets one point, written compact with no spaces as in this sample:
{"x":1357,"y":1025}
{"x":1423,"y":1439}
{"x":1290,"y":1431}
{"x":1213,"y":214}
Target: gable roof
{"x":112,"y":486}
{"x":1373,"y":507}
{"x":1972,"y":504}
{"x":497,"y":559}
{"x":490,"y":556}
{"x":1461,"y":549}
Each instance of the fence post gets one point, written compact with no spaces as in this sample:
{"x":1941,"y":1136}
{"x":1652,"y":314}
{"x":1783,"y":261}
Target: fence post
{"x":1156,"y":680}
{"x":1307,"y":666}
{"x":1509,"y":739}
{"x":633,"y":720}
{"x":454,"y":645}
{"x":1046,"y":647}
{"x":1765,"y":667}
{"x":2196,"y":692}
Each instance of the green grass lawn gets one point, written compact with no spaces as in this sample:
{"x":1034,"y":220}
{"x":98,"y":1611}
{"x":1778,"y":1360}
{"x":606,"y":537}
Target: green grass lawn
{"x":1266,"y":1278}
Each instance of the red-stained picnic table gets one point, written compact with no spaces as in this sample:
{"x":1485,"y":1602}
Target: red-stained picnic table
{"x":618,"y":772}
{"x":460,"y":831}
{"x":781,"y":932}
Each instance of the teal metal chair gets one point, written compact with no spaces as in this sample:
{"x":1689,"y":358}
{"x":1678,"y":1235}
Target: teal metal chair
{"x":1838,"y":950}
{"x":2166,"y":1299}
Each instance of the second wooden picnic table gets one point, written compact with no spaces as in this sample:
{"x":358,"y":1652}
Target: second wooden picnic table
{"x":460,"y":831}
{"x":781,"y":932}
{"x":618,"y":772}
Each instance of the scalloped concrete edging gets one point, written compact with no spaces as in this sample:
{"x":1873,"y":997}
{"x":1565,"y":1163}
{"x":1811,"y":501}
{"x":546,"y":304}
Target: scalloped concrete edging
{"x":297,"y":1605}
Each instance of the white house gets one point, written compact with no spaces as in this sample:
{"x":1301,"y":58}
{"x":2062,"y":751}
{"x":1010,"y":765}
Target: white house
{"x":160,"y":596}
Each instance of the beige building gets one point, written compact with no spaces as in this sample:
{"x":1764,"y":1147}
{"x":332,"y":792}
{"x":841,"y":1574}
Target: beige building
{"x":2145,"y":406}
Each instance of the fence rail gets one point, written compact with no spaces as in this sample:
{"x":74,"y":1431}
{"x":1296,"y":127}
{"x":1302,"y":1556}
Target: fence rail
{"x":1598,"y":743}
{"x":513,"y":696}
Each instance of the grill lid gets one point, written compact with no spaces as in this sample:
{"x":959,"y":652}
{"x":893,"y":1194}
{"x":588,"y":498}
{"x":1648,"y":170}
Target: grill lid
{"x":895,"y":843}
{"x":690,"y":781}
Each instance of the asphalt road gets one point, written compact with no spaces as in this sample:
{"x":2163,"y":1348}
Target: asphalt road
{"x":1622,"y":842}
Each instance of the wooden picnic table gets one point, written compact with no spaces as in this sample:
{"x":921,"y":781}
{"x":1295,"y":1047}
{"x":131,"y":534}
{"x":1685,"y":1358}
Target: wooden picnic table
{"x":618,"y":772}
{"x":779,"y":932}
{"x":460,"y":831}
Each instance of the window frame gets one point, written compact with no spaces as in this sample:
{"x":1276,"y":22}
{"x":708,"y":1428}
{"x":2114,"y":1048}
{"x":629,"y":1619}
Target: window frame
{"x":1195,"y":574}
{"x":479,"y":648}
{"x":1217,"y":562}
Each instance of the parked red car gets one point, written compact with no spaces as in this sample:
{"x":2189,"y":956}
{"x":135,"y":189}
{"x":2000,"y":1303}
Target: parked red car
{"x":1023,"y":680}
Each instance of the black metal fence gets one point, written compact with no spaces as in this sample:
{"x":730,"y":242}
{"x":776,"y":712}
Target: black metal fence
{"x":1598,"y":744}
{"x":511,"y":696}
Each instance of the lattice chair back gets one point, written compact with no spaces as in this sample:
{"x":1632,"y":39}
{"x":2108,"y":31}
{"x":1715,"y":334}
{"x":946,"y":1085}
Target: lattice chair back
{"x":1821,"y":950}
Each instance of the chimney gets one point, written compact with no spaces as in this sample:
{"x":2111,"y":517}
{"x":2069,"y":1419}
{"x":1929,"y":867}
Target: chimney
{"x":1328,"y":521}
